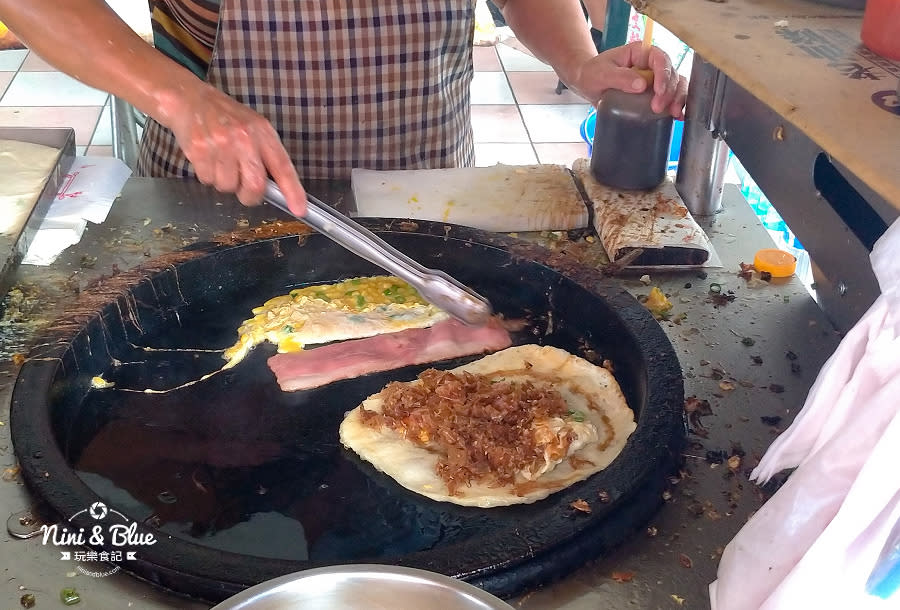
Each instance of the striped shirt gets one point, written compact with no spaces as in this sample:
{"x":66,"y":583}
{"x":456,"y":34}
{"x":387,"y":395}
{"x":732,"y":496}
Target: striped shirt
{"x":185,"y":30}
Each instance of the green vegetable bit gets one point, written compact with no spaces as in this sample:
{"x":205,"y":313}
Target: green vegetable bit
{"x":356,"y":281}
{"x":27,"y":600}
{"x":360,"y":300}
{"x":399,"y":299}
{"x":576,"y":415}
{"x":322,"y":295}
{"x":288,"y":328}
{"x":69,"y":596}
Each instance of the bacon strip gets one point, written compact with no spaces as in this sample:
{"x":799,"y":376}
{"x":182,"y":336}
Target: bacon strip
{"x":448,"y":339}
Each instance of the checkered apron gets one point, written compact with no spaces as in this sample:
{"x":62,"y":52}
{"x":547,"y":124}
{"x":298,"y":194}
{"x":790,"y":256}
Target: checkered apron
{"x":379,"y":84}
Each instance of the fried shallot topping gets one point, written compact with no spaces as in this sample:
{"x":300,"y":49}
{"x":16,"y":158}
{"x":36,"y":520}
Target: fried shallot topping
{"x":483,"y":428}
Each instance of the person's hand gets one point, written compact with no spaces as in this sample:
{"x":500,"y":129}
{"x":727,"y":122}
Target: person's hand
{"x":231,"y":147}
{"x":615,"y":69}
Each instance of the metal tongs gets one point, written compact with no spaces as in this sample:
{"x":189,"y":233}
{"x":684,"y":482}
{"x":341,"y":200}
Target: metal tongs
{"x":436,"y":287}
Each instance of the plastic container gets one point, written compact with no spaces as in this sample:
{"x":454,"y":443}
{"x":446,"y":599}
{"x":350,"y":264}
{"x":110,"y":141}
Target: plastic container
{"x":775,"y":261}
{"x":881,"y":27}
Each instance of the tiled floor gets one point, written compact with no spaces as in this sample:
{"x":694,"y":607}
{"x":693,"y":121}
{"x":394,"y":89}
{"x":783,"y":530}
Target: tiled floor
{"x":516,"y":115}
{"x":32,"y":94}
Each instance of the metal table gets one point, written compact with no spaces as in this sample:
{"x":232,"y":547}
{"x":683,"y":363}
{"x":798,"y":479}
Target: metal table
{"x":753,"y":357}
{"x":812,"y":114}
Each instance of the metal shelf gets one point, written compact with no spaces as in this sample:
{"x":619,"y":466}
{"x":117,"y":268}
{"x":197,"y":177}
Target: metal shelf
{"x":812,"y":114}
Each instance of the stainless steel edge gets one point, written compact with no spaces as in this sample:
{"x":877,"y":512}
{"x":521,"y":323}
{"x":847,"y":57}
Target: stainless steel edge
{"x":370,"y":586}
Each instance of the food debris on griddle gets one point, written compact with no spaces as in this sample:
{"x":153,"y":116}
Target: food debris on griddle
{"x":581,"y":506}
{"x":716,"y":456}
{"x":695,"y":409}
{"x":657,"y":303}
{"x":719,"y":298}
{"x":622,"y":576}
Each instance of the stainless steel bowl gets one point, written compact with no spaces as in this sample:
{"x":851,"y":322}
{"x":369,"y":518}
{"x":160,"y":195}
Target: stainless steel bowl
{"x":368,"y":586}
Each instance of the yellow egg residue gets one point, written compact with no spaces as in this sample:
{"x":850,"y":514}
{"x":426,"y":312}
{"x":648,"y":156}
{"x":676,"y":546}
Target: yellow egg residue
{"x":100,"y":383}
{"x":360,"y":294}
{"x":321,"y":313}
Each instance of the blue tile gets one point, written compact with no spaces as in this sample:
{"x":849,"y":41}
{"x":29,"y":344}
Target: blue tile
{"x":103,"y":133}
{"x":554,"y":122}
{"x":491,"y":88}
{"x":11,"y":59}
{"x":50,"y":89}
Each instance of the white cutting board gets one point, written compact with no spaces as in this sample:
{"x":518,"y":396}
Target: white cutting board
{"x":501,"y":198}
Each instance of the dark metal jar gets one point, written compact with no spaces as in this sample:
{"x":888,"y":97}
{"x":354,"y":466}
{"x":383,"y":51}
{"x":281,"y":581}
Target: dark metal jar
{"x":631,"y":142}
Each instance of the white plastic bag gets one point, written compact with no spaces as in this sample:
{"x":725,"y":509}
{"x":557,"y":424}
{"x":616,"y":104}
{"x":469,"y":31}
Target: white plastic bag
{"x":815,"y":543}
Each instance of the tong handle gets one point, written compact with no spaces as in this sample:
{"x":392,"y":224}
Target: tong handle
{"x":435,"y":286}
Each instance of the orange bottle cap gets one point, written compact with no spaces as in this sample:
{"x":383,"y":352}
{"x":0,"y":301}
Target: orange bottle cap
{"x":777,"y":262}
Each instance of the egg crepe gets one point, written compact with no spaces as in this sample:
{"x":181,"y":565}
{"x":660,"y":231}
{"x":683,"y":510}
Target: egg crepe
{"x":350,"y":309}
{"x":592,"y":433}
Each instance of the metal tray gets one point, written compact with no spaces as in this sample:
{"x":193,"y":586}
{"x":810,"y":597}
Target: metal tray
{"x":364,"y":586}
{"x":14,"y":245}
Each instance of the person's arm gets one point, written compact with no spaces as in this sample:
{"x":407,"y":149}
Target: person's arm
{"x":230,"y":146}
{"x":557,"y":33}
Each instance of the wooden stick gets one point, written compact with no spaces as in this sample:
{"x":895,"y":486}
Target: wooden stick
{"x":647,"y":42}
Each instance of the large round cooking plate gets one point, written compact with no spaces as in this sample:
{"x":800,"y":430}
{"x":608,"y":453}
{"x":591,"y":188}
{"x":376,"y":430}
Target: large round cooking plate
{"x":240,"y":482}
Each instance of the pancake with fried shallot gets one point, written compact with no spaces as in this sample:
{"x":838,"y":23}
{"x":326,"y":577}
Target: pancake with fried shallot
{"x":510,"y":428}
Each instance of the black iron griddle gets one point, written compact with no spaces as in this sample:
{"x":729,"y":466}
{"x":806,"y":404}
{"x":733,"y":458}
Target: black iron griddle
{"x":241,"y":483}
